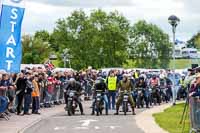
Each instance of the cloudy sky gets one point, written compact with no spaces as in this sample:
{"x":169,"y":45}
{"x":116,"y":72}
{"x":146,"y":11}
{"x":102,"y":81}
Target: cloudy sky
{"x":42,"y":14}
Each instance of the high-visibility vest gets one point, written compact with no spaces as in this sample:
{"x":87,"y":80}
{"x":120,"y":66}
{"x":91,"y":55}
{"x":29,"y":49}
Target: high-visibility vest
{"x":112,"y":83}
{"x":181,"y":82}
{"x":136,"y":75}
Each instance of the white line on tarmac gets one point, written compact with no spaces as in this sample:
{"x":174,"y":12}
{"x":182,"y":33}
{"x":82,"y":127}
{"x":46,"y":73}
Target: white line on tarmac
{"x":96,"y":128}
{"x":59,"y":128}
{"x":114,"y":127}
{"x":86,"y":123}
{"x":81,"y":128}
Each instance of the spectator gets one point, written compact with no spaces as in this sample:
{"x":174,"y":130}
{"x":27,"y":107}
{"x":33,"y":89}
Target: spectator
{"x":20,"y":91}
{"x":195,"y":89}
{"x":27,"y":94}
{"x":35,"y":95}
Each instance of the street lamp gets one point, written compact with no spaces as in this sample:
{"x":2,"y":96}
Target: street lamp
{"x":174,"y":21}
{"x":52,"y":56}
{"x":66,"y":57}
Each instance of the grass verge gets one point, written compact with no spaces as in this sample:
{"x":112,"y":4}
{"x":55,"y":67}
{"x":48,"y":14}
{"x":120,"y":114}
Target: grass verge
{"x":169,"y":120}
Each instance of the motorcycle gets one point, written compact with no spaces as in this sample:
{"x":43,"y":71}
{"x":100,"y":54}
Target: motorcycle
{"x":181,"y":93}
{"x":156,"y":95}
{"x":88,"y":88}
{"x":163,"y":94}
{"x":150,"y":96}
{"x":169,"y":92}
{"x":140,"y":97}
{"x":71,"y":103}
{"x":125,"y":102}
{"x":99,"y":104}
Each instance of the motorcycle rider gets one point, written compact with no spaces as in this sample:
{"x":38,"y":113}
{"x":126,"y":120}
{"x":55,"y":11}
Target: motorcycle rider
{"x":142,"y":85}
{"x":100,"y":85}
{"x":182,"y":90}
{"x":164,"y":90}
{"x":154,"y":83}
{"x":75,"y":86}
{"x":125,"y":85}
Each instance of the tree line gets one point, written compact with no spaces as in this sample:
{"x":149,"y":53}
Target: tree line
{"x":100,"y":39}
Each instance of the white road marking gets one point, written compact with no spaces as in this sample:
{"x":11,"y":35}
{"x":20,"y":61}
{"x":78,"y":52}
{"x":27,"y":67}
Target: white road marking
{"x":81,"y":128}
{"x":86,"y":123}
{"x":96,"y":128}
{"x":59,"y":128}
{"x":113,"y":127}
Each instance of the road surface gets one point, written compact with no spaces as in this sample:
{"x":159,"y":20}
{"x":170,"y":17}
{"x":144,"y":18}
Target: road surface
{"x":61,"y":123}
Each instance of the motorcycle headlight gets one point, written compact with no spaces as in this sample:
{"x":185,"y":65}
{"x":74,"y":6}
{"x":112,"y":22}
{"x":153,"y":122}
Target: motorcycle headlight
{"x":71,"y":94}
{"x":98,"y":95}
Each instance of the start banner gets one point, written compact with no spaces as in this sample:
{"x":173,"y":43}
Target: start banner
{"x":10,"y":37}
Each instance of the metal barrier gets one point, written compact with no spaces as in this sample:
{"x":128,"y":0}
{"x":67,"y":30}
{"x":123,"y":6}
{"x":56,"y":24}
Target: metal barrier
{"x":195,"y":114}
{"x":3,"y":107}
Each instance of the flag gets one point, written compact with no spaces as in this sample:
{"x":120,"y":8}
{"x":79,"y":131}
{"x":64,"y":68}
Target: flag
{"x":49,"y":65}
{"x":10,"y":36}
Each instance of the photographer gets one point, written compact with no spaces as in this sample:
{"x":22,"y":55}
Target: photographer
{"x":195,"y":87}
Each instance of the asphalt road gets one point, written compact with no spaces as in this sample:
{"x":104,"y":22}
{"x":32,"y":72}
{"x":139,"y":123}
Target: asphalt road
{"x":61,"y":123}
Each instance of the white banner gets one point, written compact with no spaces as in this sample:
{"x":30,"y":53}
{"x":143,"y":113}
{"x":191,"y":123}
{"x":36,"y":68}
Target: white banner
{"x":17,"y":3}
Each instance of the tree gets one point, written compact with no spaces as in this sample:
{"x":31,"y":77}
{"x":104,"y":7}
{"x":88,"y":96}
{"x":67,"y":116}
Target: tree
{"x":35,"y":50}
{"x":42,"y":35}
{"x":195,"y":41}
{"x":98,"y":40}
{"x":149,"y":46}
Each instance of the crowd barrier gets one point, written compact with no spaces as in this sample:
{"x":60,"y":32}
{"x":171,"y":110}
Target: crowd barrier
{"x":195,"y":114}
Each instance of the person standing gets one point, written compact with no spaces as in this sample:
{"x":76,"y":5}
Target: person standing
{"x":27,"y":94}
{"x":20,"y":91}
{"x":35,"y":96}
{"x":112,"y":87}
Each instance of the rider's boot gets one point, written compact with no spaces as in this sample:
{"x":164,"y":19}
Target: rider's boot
{"x":117,"y":112}
{"x":92,"y":113}
{"x":133,"y":111}
{"x":106,"y":112}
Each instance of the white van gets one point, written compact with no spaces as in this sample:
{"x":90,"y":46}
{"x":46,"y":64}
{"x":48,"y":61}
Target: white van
{"x":189,"y":53}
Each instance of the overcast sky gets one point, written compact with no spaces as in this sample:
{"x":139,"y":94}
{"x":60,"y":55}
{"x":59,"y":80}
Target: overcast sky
{"x":42,"y":14}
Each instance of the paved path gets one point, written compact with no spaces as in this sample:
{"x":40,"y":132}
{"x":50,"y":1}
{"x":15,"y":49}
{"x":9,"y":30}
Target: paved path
{"x":146,"y":121}
{"x":17,"y":123}
{"x":61,"y":123}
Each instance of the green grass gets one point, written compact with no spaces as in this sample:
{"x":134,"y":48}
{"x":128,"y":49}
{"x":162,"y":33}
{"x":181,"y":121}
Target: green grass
{"x":183,"y":63}
{"x":179,"y":63}
{"x":170,"y":119}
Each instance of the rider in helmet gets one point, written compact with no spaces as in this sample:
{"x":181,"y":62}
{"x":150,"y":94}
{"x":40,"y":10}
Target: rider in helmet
{"x":100,"y":85}
{"x":75,"y":86}
{"x":182,"y":90}
{"x":125,"y":85}
{"x":154,"y":83}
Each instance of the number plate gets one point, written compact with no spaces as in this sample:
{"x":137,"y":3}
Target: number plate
{"x":69,"y":98}
{"x":125,"y":100}
{"x":125,"y":97}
